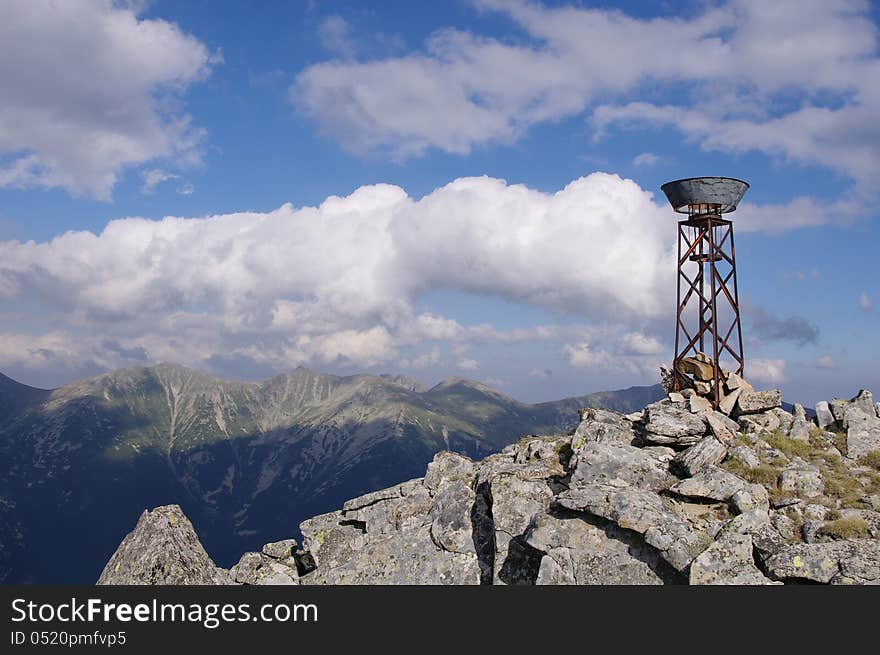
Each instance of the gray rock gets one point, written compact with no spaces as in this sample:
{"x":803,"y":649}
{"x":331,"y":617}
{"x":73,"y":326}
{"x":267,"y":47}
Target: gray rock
{"x":602,"y":425}
{"x":708,"y":452}
{"x":728,"y":561}
{"x":755,"y":402}
{"x":450,"y":517}
{"x":645,"y":468}
{"x":838,"y":408}
{"x":699,"y":405}
{"x":675,"y":397}
{"x":163,"y":549}
{"x":759,"y":424}
{"x":862,"y":426}
{"x":852,"y":562}
{"x":644,"y":512}
{"x":824,"y":417}
{"x":744,"y":455}
{"x":448,"y":467}
{"x":804,"y":480}
{"x":722,"y":427}
{"x":750,"y":497}
{"x":259,"y":569}
{"x":409,"y":558}
{"x":800,"y":430}
{"x":727,"y":403}
{"x":280,"y":549}
{"x":579,"y":552}
{"x":736,"y":383}
{"x":712,"y":483}
{"x":670,"y":424}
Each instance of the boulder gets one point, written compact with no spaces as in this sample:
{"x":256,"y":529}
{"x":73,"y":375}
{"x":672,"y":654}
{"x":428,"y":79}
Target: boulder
{"x":645,"y":468}
{"x":727,"y":402}
{"x":671,"y":424}
{"x":862,"y":426}
{"x":708,"y":452}
{"x":644,"y":512}
{"x":728,"y":561}
{"x":701,"y":370}
{"x":722,"y":427}
{"x":824,"y":417}
{"x":712,"y":483}
{"x":450,"y":517}
{"x":602,"y":425}
{"x":755,"y":402}
{"x":576,"y":551}
{"x":802,"y":479}
{"x":735,"y":382}
{"x":280,"y":549}
{"x":842,"y":562}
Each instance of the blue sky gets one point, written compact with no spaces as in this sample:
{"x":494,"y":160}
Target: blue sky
{"x":464,"y":188}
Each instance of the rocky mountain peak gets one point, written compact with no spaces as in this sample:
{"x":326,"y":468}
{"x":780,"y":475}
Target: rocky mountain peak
{"x":675,"y":493}
{"x":162,"y":549}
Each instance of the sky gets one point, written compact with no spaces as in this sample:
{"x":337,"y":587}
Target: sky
{"x":467,"y":188}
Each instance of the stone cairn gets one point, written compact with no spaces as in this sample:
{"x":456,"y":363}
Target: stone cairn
{"x":697,"y":377}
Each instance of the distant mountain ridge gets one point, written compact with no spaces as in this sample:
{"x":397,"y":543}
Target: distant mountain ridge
{"x":247,"y":461}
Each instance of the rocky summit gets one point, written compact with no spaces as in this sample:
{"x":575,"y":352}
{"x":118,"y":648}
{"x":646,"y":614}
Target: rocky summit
{"x":676,"y":493}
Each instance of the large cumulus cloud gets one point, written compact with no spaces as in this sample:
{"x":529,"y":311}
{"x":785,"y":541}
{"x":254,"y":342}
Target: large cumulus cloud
{"x":340,"y":282}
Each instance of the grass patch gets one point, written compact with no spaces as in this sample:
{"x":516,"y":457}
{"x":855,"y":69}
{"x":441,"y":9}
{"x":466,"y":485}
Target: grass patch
{"x":761,"y":474}
{"x":791,"y":447}
{"x":847,"y":528}
{"x":841,"y":484}
{"x":872,"y":459}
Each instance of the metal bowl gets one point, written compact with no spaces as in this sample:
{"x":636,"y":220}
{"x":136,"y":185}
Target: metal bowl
{"x":693,"y":191}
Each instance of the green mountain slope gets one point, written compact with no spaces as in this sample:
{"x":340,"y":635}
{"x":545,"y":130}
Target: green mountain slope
{"x":247,"y":461}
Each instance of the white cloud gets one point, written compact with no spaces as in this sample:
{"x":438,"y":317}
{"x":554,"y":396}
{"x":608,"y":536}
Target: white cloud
{"x":826,"y":361}
{"x":797,"y":80}
{"x":89,"y":90}
{"x":770,"y":371}
{"x":636,"y":343}
{"x":468,"y":364}
{"x":587,"y":356}
{"x":154,"y":177}
{"x":645,"y":159}
{"x":425,"y":360}
{"x":865,"y":303}
{"x":339,"y":282}
{"x":544,"y":373}
{"x":334,"y":32}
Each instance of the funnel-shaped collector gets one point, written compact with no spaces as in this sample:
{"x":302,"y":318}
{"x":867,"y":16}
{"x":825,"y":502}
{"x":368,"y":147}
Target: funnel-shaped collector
{"x":726,"y":192}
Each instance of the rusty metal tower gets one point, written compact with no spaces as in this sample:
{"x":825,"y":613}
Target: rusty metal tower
{"x":707,"y":313}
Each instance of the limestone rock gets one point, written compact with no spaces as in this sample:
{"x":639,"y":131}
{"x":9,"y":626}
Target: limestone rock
{"x":280,"y":549}
{"x":163,"y":549}
{"x":644,"y":512}
{"x":802,"y":479}
{"x":450,"y":517}
{"x":755,"y":402}
{"x":853,"y":562}
{"x":711,"y":483}
{"x":728,"y":561}
{"x":670,"y":424}
{"x":645,"y":468}
{"x":708,"y":452}
{"x":603,"y":426}
{"x":576,"y":551}
{"x":696,"y":366}
{"x":824,"y":417}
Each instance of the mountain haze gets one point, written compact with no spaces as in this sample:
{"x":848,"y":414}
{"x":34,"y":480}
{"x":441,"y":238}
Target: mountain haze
{"x":246,"y":461}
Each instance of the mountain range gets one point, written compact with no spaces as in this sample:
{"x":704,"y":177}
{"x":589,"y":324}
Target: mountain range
{"x":247,"y":461}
